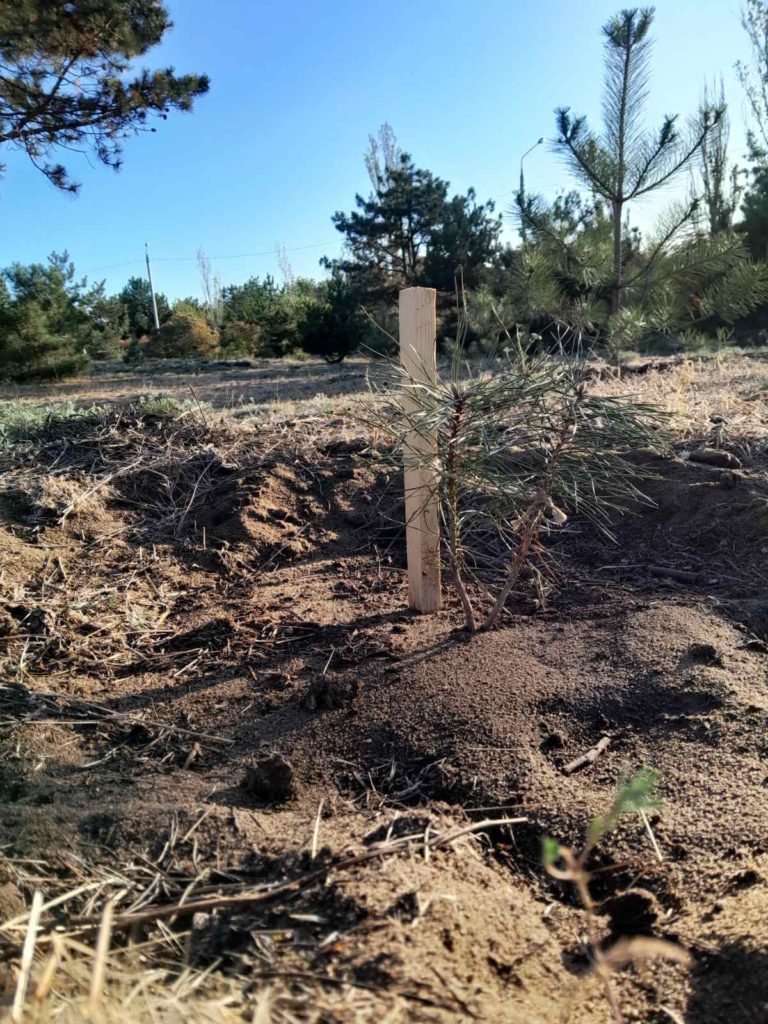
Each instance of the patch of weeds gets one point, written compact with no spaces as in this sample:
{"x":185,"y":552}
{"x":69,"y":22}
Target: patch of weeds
{"x":636,"y":795}
{"x":22,"y":423}
{"x":166,"y":405}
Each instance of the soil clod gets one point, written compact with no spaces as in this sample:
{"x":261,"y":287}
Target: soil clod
{"x":270,"y":779}
{"x":330,"y":692}
{"x":715,"y":457}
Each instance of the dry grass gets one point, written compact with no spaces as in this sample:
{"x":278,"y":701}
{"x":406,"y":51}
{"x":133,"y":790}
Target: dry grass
{"x":722,"y":395}
{"x":89,"y":973}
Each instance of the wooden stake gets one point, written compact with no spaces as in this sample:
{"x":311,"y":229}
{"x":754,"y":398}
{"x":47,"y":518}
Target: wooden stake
{"x":418,"y":330}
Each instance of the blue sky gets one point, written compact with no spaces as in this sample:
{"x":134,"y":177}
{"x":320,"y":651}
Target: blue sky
{"x":276,"y":147}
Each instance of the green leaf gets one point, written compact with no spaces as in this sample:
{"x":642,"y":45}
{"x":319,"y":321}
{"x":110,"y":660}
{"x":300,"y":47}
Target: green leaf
{"x":550,"y":851}
{"x":596,"y":829}
{"x":637,"y":793}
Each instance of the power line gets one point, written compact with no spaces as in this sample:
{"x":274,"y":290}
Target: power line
{"x":243,"y":255}
{"x":232,"y":256}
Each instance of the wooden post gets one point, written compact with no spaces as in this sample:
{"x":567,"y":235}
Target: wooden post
{"x":418,"y":330}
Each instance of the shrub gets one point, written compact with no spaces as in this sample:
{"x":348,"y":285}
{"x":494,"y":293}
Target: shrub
{"x":239,"y":338}
{"x":58,"y":369}
{"x":333,"y":327}
{"x":134,"y":353}
{"x":298,"y":355}
{"x":185,"y":334}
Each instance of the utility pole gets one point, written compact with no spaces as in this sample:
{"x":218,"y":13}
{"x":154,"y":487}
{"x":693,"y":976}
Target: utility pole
{"x":152,"y":289}
{"x":521,"y":193}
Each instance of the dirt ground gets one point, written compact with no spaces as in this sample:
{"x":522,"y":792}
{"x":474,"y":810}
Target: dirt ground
{"x":214,"y":694}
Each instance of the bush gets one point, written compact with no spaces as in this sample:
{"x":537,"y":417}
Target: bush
{"x":134,"y":353}
{"x":333,"y":327}
{"x":298,"y":355}
{"x":185,"y":334}
{"x":239,"y":338}
{"x":56,"y":369}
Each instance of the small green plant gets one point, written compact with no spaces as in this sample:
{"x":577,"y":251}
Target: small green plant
{"x":159,"y":405}
{"x":520,"y":445}
{"x":22,"y":422}
{"x":635,"y":795}
{"x":298,"y":355}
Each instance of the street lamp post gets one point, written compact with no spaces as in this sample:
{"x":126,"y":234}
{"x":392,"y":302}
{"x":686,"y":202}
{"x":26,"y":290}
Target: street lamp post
{"x":521,"y":194}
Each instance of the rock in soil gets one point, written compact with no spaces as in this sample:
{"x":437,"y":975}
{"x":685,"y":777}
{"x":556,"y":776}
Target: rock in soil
{"x":270,"y":779}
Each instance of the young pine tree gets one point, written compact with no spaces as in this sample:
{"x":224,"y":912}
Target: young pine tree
{"x":626,"y":161}
{"x":721,"y":180}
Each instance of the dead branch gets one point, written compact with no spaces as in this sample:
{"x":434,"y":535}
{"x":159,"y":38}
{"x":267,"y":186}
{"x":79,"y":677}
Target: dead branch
{"x":590,"y":757}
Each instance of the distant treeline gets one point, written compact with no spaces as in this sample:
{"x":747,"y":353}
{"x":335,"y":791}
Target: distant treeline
{"x":581,"y":268}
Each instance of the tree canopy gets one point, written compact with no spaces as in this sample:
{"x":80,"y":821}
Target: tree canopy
{"x":66,"y":79}
{"x":51,"y":323}
{"x":626,"y":160}
{"x":408,"y":232}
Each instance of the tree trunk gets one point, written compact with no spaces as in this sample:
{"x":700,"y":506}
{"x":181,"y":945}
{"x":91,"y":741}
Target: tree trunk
{"x":617,"y":299}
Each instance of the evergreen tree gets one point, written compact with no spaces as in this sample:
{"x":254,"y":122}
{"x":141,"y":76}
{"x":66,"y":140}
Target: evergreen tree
{"x":65,"y":78}
{"x":333,"y":327}
{"x":463,"y":244}
{"x":51,"y":324}
{"x":564,"y":270}
{"x":626,"y":161}
{"x":276,"y":311}
{"x":721,"y":182}
{"x":408,"y":232}
{"x":387,"y":236}
{"x":136,"y":297}
{"x":754,"y":210}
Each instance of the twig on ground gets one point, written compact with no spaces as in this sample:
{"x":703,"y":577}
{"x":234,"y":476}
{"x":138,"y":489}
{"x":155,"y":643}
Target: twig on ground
{"x":652,"y":837}
{"x":589,"y":758}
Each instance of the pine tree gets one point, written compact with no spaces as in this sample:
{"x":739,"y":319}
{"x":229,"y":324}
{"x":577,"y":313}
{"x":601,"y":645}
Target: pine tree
{"x":65,"y":78}
{"x":463,"y":244}
{"x":626,"y":161}
{"x":136,"y":297}
{"x":408,"y":232}
{"x":52,"y":324}
{"x":721,"y":182}
{"x":388,"y":234}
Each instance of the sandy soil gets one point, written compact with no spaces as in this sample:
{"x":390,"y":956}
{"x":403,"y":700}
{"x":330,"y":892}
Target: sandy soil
{"x":213,"y":684}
